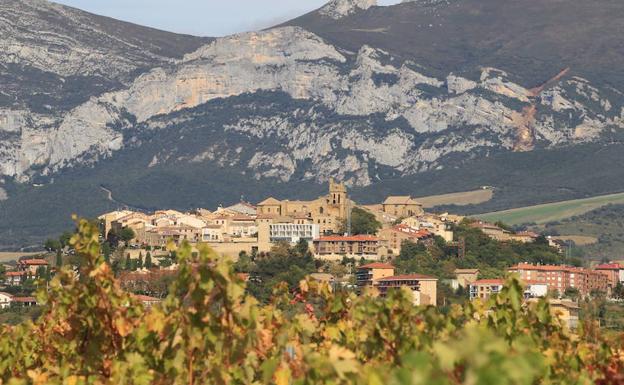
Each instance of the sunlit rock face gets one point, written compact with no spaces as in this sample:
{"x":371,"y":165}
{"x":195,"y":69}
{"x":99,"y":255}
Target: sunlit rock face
{"x":368,"y":111}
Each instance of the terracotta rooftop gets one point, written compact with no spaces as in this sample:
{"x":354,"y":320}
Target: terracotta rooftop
{"x":24,"y":299}
{"x":489,"y":282}
{"x":36,"y":261}
{"x":14,"y":273}
{"x":609,"y":266}
{"x":377,"y":265}
{"x":528,"y":266}
{"x":351,"y":238}
{"x":409,"y":277}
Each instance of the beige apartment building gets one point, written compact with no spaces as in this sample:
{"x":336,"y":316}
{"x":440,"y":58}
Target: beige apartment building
{"x":335,"y":247}
{"x":370,"y":274}
{"x":422,"y":286}
{"x":485,"y":288}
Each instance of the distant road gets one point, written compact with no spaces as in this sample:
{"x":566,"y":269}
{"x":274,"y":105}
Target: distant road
{"x":109,"y":196}
{"x":552,"y":212}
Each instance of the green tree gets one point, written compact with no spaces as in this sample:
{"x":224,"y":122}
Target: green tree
{"x":362,"y":222}
{"x":148,"y":260}
{"x":52,"y":244}
{"x":129,"y":263}
{"x":618,"y":291}
{"x":139,"y":264}
{"x":126,"y":234}
{"x":59,"y":258}
{"x":65,"y":238}
{"x":244,"y":264}
{"x":106,"y":251}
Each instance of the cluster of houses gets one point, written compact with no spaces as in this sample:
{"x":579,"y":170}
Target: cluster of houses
{"x":539,"y":281}
{"x":256,"y":228}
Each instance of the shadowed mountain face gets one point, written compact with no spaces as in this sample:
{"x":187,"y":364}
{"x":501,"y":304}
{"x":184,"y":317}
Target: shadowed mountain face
{"x":422,"y":97}
{"x":532,"y":40}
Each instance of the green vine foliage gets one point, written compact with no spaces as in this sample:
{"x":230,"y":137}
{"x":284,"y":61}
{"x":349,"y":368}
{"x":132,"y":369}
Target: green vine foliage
{"x":210,"y":331}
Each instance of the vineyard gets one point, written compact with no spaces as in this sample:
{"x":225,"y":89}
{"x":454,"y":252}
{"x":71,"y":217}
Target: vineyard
{"x":210,"y":331}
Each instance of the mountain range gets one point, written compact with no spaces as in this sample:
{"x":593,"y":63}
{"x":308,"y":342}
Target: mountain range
{"x":426,"y":96}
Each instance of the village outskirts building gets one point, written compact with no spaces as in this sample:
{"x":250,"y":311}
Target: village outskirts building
{"x":5,"y":300}
{"x":336,"y":247}
{"x":423,"y":287}
{"x":369,"y":275}
{"x":485,"y":288}
{"x":614,"y":273}
{"x":291,"y":233}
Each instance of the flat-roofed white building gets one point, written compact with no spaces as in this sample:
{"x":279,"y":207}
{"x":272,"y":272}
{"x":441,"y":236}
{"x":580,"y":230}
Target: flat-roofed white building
{"x":293,"y":232}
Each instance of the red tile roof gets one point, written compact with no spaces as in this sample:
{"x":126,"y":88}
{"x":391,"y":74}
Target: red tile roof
{"x":37,"y":261}
{"x":352,"y":238}
{"x":489,"y":282}
{"x":24,"y":299}
{"x":377,"y":265}
{"x":14,"y":273}
{"x":609,"y":266}
{"x":409,"y":277}
{"x":528,"y":266}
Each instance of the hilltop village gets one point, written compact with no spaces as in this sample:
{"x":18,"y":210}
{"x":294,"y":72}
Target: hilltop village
{"x":392,"y":244}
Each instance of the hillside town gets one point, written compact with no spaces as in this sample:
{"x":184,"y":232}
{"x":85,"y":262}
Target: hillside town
{"x":333,"y":229}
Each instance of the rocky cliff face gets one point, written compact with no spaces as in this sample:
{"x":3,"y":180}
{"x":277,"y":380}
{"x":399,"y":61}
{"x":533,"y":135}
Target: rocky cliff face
{"x":415,"y":121}
{"x":337,"y":9}
{"x":373,"y":96}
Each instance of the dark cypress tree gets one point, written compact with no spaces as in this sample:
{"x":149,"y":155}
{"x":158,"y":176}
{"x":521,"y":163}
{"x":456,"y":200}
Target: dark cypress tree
{"x":59,"y":258}
{"x":148,"y":260}
{"x":128,"y":262}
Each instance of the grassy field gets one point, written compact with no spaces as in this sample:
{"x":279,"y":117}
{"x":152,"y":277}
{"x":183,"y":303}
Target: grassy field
{"x":552,"y":211}
{"x":459,"y":199}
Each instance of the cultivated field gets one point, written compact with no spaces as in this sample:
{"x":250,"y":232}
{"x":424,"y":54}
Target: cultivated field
{"x":458,"y":199}
{"x":550,"y":212}
{"x":11,"y":256}
{"x":579,"y":240}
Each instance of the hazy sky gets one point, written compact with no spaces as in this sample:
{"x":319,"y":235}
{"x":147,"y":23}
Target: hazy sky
{"x":202,"y":17}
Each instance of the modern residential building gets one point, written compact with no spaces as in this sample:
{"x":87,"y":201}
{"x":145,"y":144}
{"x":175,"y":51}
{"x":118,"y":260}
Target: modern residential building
{"x":535,"y":289}
{"x":370,"y":274}
{"x":335,"y":247}
{"x":402,"y":206}
{"x":614,"y":272}
{"x":424,"y":287}
{"x":270,"y":233}
{"x":560,"y":278}
{"x":393,"y":237}
{"x":485,"y":288}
